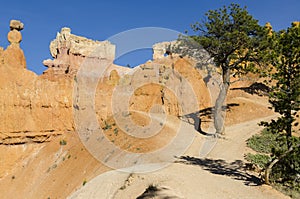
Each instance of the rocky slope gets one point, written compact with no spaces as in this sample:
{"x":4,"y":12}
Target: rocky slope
{"x":38,"y":140}
{"x":41,"y":153}
{"x":35,"y":108}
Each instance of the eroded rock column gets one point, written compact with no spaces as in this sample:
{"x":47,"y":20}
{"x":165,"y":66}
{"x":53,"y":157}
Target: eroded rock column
{"x":14,"y":55}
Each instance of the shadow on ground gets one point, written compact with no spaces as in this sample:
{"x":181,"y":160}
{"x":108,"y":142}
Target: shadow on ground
{"x":256,"y":88}
{"x":236,"y":170}
{"x":195,"y":118}
{"x":154,"y":191}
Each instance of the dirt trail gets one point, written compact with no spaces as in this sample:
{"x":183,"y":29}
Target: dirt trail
{"x":219,"y":175}
{"x":234,"y":145}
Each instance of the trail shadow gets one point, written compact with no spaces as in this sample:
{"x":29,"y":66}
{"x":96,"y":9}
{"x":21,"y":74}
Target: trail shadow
{"x":154,"y":191}
{"x":257,"y":88}
{"x":195,"y":118}
{"x":236,"y":170}
{"x":209,"y":111}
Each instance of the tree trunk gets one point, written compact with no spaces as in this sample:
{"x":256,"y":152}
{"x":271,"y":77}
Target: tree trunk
{"x":219,"y":117}
{"x":270,"y":166}
{"x":268,"y":170}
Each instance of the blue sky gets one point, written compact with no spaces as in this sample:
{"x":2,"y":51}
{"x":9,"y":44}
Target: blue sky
{"x":100,"y":20}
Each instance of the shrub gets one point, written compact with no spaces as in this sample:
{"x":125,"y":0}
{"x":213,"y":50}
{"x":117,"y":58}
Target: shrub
{"x":262,"y":143}
{"x":260,"y":160}
{"x":107,"y":126}
{"x":116,"y":131}
{"x":63,"y":142}
{"x":285,"y":174}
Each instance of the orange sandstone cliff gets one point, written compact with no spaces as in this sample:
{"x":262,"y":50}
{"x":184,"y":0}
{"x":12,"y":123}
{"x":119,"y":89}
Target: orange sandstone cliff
{"x":36,"y":108}
{"x":41,"y":154}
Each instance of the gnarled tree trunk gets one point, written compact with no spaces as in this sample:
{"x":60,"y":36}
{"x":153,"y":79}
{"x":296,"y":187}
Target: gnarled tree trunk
{"x":270,"y":166}
{"x":219,"y":115}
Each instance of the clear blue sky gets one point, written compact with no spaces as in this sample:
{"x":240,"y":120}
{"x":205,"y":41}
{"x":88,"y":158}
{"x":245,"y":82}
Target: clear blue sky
{"x":99,"y":19}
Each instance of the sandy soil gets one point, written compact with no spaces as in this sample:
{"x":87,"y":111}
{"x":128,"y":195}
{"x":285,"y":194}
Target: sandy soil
{"x":219,"y":175}
{"x":208,"y":169}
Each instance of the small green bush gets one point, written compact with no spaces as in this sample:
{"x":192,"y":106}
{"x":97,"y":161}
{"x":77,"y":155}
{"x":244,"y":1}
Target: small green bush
{"x":285,"y":173}
{"x":63,"y":142}
{"x":116,"y":131}
{"x":262,"y":143}
{"x":260,"y":160}
{"x":107,"y":126}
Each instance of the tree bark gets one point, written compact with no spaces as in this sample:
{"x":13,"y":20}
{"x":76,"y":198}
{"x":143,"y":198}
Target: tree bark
{"x":270,"y":166}
{"x":268,"y":170}
{"x":219,"y":116}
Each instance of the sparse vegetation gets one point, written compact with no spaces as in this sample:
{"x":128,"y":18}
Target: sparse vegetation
{"x":63,"y":142}
{"x":235,"y":41}
{"x":54,"y":166}
{"x":283,"y":177}
{"x":127,"y":182}
{"x":284,"y":57}
{"x":116,"y":131}
{"x":51,"y":167}
{"x":260,"y":160}
{"x":262,"y":143}
{"x":107,"y":126}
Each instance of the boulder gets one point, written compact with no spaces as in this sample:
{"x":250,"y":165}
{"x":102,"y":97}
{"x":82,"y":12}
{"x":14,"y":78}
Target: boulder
{"x":16,"y":25}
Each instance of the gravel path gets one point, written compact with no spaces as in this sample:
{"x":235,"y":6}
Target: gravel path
{"x":219,"y":175}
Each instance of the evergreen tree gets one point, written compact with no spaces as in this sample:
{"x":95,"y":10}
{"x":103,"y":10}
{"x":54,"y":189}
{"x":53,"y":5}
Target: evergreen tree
{"x":285,"y":99}
{"x":233,"y":38}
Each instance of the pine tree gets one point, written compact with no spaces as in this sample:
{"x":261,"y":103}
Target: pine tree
{"x":285,"y":100}
{"x":233,"y":38}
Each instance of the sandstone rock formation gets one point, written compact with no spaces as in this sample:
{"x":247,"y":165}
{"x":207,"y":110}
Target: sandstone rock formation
{"x":16,"y":25}
{"x":36,"y":108}
{"x":69,"y":51}
{"x":32,"y":109}
{"x":163,"y":49}
{"x":13,"y":55}
{"x":40,"y":109}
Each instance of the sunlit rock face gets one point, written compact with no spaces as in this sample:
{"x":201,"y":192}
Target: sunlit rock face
{"x":69,"y":51}
{"x":37,"y":108}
